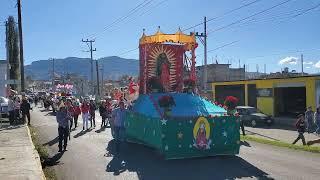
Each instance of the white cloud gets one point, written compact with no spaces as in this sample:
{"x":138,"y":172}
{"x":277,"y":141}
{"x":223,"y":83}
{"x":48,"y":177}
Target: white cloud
{"x":308,"y":63}
{"x":289,"y":60}
{"x":317,"y":65}
{"x":308,"y":67}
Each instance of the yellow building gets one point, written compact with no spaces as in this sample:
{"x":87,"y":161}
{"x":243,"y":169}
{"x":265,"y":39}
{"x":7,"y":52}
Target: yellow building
{"x":275,"y":97}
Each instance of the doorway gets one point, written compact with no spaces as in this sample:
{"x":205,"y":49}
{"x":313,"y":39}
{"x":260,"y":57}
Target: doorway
{"x":289,"y":101}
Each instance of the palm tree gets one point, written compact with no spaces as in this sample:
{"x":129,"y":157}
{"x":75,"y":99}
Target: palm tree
{"x":12,"y":45}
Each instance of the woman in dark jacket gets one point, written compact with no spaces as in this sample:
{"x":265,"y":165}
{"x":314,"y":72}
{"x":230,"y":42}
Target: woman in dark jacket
{"x":63,"y":126}
{"x":103,"y":113}
{"x":25,"y":109}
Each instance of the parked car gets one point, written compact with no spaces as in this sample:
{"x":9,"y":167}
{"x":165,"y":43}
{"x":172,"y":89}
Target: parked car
{"x":253,"y":117}
{"x":4,"y":106}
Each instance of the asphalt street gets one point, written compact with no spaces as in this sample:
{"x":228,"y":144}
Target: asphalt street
{"x":90,"y":156}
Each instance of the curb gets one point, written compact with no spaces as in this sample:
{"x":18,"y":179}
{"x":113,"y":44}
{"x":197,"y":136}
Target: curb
{"x":36,"y":154}
{"x":311,"y":149}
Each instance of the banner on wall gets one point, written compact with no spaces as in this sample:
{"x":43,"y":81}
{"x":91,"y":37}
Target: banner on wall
{"x":64,"y":86}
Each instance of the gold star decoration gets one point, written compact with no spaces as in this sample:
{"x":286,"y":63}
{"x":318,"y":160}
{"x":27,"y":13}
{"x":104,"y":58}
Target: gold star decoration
{"x":180,"y":135}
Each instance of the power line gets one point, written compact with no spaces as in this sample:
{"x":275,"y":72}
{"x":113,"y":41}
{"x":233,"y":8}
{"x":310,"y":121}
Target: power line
{"x":122,"y":18}
{"x":224,"y":14}
{"x":158,"y":4}
{"x":143,"y":13}
{"x":126,"y":52}
{"x":306,"y":11}
{"x":281,"y":53}
{"x":248,"y":17}
{"x":283,"y":16}
{"x":220,"y":47}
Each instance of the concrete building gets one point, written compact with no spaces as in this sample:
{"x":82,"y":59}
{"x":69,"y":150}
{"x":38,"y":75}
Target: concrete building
{"x":220,"y":72}
{"x":3,"y":77}
{"x":279,"y":97}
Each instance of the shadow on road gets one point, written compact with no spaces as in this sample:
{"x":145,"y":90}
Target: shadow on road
{"x":101,"y":129}
{"x":150,"y":165}
{"x":50,"y":114}
{"x":245,"y":143}
{"x":80,"y":134}
{"x":54,"y":160}
{"x":254,"y":133}
{"x":10,"y":127}
{"x":279,"y":126}
{"x":52,"y":142}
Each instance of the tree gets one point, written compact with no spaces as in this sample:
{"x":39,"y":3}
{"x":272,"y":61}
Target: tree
{"x":12,"y":46}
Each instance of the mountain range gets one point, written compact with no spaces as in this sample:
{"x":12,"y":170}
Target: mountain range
{"x":113,"y":67}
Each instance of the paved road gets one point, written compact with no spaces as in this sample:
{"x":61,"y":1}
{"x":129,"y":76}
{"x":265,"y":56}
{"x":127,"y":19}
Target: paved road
{"x":86,"y":159}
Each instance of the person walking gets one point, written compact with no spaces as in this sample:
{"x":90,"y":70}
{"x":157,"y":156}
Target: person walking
{"x":77,"y":112}
{"x":17,"y":109}
{"x":36,"y":100}
{"x":103,"y":113}
{"x":63,"y":126}
{"x":11,"y":110}
{"x":92,"y":113}
{"x":300,"y":125}
{"x":25,"y":109}
{"x":118,"y":118}
{"x":109,"y":110}
{"x":309,"y":118}
{"x":70,"y":110}
{"x":85,"y":114}
{"x":317,"y":120}
{"x":242,"y":127}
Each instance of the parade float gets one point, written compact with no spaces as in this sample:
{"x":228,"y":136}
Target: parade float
{"x":168,"y":115}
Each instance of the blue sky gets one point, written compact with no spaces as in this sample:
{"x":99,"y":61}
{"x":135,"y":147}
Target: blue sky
{"x":55,"y":29}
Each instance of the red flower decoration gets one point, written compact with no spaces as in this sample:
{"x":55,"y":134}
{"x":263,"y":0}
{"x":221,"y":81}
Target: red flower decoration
{"x":166,"y":101}
{"x":231,"y":102}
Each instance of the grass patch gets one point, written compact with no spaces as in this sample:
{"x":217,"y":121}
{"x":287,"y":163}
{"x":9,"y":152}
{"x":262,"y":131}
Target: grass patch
{"x":314,"y":149}
{"x":43,"y":153}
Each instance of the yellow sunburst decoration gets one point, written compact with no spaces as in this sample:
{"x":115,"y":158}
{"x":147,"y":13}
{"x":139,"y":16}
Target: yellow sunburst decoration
{"x":202,"y":121}
{"x":152,"y":62}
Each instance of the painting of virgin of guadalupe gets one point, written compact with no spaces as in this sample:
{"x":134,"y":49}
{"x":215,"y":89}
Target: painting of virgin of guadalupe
{"x":163,"y":71}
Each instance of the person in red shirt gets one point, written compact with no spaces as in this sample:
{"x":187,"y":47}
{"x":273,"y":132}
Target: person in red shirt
{"x":77,"y":112}
{"x":85,"y":114}
{"x":70,"y":111}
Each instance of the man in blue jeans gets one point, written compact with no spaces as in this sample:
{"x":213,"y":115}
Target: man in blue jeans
{"x":118,"y":117}
{"x":63,"y":126}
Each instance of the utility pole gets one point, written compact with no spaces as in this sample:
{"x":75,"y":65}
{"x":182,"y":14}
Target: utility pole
{"x":204,"y":42}
{"x":53,"y":76}
{"x":102,"y":83}
{"x":205,"y":55}
{"x":21,"y":45}
{"x":98,"y":84}
{"x":302,"y":64}
{"x":91,"y":62}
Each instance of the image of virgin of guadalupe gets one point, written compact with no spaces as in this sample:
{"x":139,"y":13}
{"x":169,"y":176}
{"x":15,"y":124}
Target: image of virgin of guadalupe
{"x":163,"y":71}
{"x":201,"y":140}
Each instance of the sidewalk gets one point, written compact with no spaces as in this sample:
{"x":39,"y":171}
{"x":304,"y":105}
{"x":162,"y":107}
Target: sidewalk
{"x":277,"y":134}
{"x":18,"y":157}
